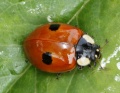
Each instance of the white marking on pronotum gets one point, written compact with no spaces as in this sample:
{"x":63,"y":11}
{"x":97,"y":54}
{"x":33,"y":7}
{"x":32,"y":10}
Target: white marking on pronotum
{"x":83,"y":61}
{"x":88,"y":39}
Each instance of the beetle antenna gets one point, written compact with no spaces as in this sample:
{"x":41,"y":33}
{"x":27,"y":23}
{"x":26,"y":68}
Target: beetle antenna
{"x":106,"y":42}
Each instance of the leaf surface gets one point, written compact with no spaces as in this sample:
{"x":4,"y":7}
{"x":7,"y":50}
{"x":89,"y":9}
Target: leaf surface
{"x":98,"y":18}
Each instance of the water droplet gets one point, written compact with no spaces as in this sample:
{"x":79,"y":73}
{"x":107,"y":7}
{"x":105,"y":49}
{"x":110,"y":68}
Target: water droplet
{"x":22,"y":3}
{"x":1,"y":52}
{"x":49,"y":18}
{"x":117,"y":78}
{"x":118,"y":65}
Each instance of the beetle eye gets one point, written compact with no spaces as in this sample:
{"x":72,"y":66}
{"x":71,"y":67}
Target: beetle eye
{"x":97,"y":53}
{"x":97,"y":50}
{"x":96,"y":56}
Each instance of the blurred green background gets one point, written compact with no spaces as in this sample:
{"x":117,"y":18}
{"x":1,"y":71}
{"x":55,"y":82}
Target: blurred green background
{"x":98,"y":18}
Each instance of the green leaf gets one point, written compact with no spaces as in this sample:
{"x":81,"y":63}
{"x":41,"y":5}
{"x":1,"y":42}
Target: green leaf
{"x":98,"y":18}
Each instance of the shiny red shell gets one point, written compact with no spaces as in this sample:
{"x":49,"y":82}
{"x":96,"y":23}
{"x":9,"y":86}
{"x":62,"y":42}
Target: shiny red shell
{"x":50,"y":47}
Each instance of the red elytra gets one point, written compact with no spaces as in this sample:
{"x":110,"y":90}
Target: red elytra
{"x":50,"y":47}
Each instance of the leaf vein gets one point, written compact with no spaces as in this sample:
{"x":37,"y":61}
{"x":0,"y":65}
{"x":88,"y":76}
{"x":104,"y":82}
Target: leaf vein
{"x":77,"y":12}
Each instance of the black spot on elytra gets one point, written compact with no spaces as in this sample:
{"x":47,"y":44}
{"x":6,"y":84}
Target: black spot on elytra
{"x":54,"y":27}
{"x":47,"y":58}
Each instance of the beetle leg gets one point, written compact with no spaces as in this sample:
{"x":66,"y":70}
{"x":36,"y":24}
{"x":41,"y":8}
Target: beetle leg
{"x":89,"y":66}
{"x":94,"y":63}
{"x":80,"y":67}
{"x":58,"y":75}
{"x":26,"y":60}
{"x":106,"y":41}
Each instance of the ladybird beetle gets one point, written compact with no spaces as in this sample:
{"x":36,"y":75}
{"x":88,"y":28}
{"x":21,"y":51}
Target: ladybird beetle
{"x":58,"y":47}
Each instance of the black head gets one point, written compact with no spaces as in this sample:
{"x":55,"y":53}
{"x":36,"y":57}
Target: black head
{"x":87,"y":51}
